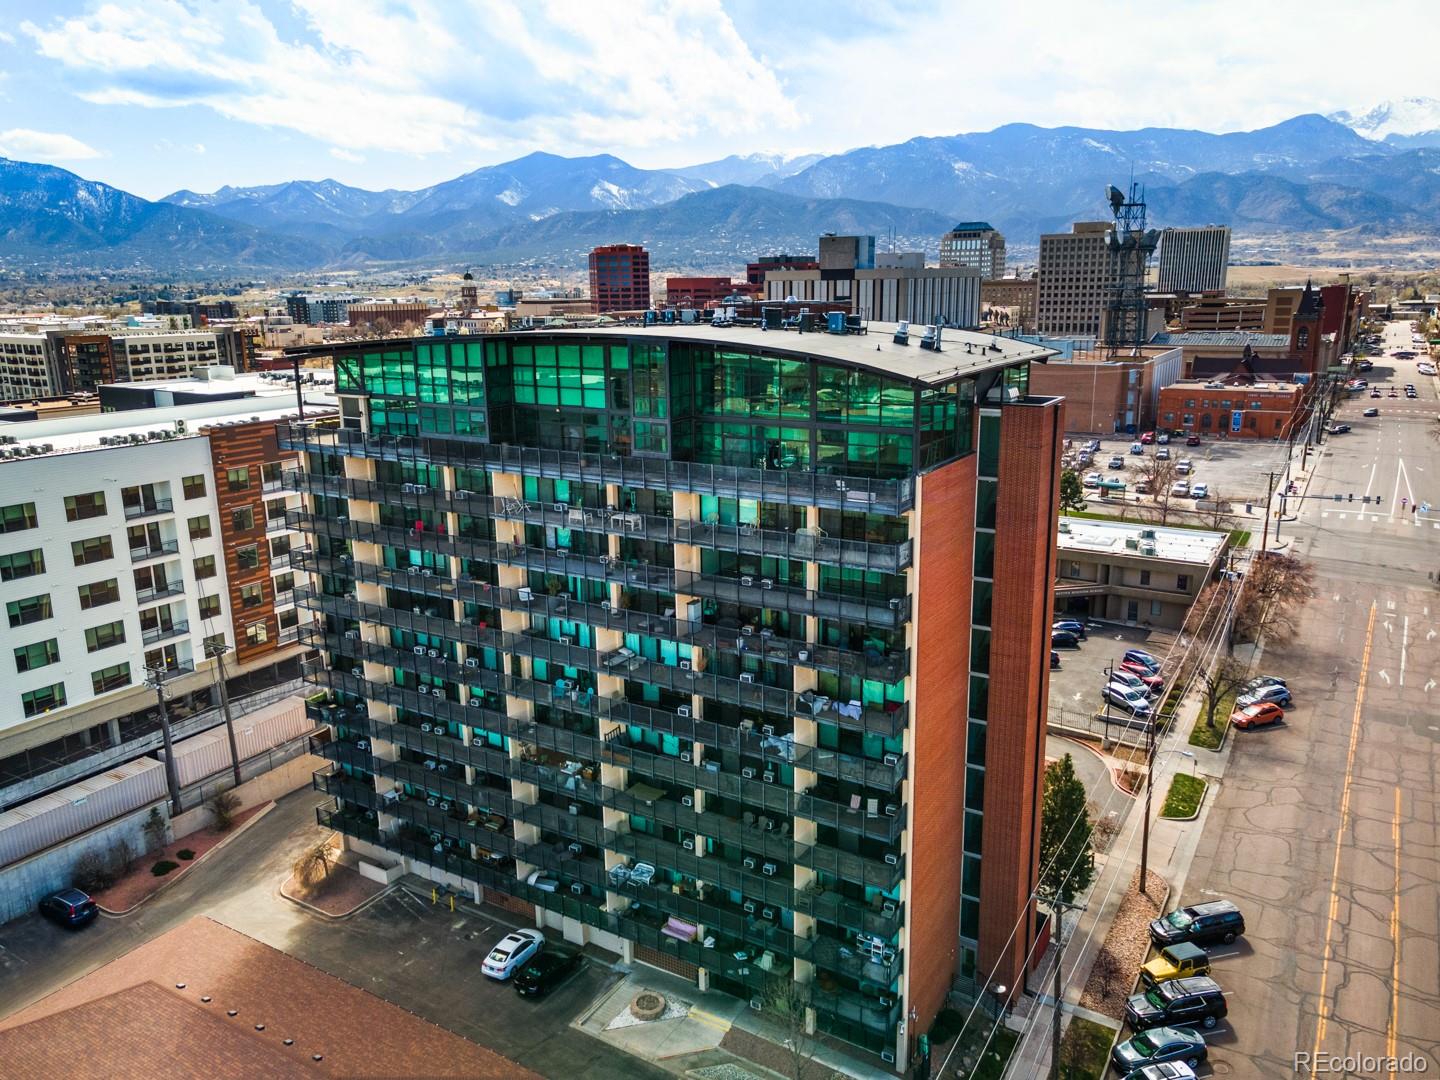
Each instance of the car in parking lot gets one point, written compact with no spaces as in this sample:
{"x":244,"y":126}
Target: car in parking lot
{"x":511,"y":951}
{"x":1135,"y":702}
{"x":1270,"y":693}
{"x":545,"y":971}
{"x":1151,"y":684}
{"x":1075,"y":626}
{"x":1339,"y":429}
{"x":1162,"y":454}
{"x":1163,"y":1070}
{"x":1163,"y":439}
{"x":1262,"y":680}
{"x":1137,"y":448}
{"x":1117,"y":462}
{"x":1092,"y":480}
{"x":1054,"y":660}
{"x":1203,"y":924}
{"x":1253,"y":716}
{"x":69,"y":908}
{"x":1200,"y":491}
{"x":1179,"y":961}
{"x":1147,"y":437}
{"x":1180,"y":489}
{"x":1184,"y":466}
{"x":1196,"y":1001}
{"x":1192,"y":440}
{"x":1411,"y":394}
{"x":1065,"y":639}
{"x":1140,"y":656}
{"x":1093,"y":446}
{"x":1157,"y":1045}
{"x":1372,"y":411}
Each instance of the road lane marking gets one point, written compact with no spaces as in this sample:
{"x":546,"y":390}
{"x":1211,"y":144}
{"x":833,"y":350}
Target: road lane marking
{"x":1404,"y":644}
{"x":1323,"y":1013}
{"x":709,"y":1019}
{"x":1395,"y":935}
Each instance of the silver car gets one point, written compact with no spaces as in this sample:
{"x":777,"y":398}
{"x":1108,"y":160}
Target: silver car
{"x":1271,"y":692}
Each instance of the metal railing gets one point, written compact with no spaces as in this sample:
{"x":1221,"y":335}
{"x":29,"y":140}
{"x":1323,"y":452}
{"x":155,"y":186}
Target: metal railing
{"x":159,"y":592}
{"x":165,"y":633}
{"x":146,"y":509}
{"x":154,"y":551}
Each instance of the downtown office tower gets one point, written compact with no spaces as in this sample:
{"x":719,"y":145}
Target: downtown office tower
{"x":723,"y":649}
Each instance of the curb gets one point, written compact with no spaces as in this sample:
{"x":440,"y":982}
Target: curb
{"x":327,"y":915}
{"x":194,"y":863}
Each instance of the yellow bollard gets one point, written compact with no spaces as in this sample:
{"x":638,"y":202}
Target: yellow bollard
{"x":452,"y":904}
{"x":434,"y":895}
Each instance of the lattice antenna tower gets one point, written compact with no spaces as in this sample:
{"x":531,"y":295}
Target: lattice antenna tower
{"x":1130,"y":246}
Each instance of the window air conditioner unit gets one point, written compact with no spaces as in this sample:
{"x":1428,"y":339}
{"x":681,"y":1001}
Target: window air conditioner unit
{"x":767,"y":583}
{"x":892,"y":859}
{"x":432,"y":653}
{"x":749,"y":907}
{"x":424,"y":689}
{"x":687,"y":800}
{"x":463,"y":494}
{"x":747,"y":581}
{"x":891,"y":810}
{"x":574,"y":809}
{"x":749,"y":862}
{"x":746,"y":676}
{"x":525,"y":595}
{"x":430,"y":801}
{"x":747,"y":631}
{"x":560,"y":508}
{"x":577,"y":888}
{"x":767,"y":913}
{"x":353,"y":635}
{"x":357,"y":671}
{"x":888,"y":908}
{"x":476,"y":702}
{"x":566,"y":640}
{"x":412,"y":569}
{"x":604,"y":605}
{"x":685,"y":755}
{"x":684,"y":665}
{"x":472,"y":662}
{"x":803,"y":655}
{"x":682,"y":710}
{"x":758,"y":1004}
{"x":425,"y":727}
{"x":748,"y":773}
{"x":576,"y":848}
{"x":688,"y":845}
{"x":419,"y":650}
{"x":767,"y":729}
{"x":895,"y":603}
{"x":768,"y":777}
{"x":425,"y":571}
{"x":768,"y":869}
{"x":362,"y":744}
{"x":444,"y":804}
{"x":887,"y":1056}
{"x":892,"y":759}
{"x":421,"y":489}
{"x":407,"y":488}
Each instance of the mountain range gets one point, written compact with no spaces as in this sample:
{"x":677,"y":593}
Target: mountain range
{"x":1308,"y":174}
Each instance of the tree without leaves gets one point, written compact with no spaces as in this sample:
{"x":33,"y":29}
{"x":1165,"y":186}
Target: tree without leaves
{"x":314,"y":863}
{"x":1216,"y":512}
{"x":1274,"y":591}
{"x":1217,"y":682}
{"x":1067,"y":863}
{"x":787,"y":1002}
{"x":1072,"y":492}
{"x":1159,"y":477}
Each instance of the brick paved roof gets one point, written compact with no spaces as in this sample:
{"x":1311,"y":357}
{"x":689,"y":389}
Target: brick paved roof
{"x":129,"y":1019}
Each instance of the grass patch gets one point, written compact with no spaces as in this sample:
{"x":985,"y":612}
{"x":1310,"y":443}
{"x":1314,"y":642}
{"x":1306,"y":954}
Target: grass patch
{"x":1240,"y":537}
{"x":1209,"y":738}
{"x":185,"y":854}
{"x":1085,"y":1050}
{"x":1183,"y":799}
{"x":163,"y":867}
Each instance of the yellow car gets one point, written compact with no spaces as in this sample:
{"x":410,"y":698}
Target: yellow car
{"x":1178,"y":961}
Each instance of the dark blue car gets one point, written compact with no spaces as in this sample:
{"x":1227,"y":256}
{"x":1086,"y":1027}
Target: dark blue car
{"x":69,"y":907}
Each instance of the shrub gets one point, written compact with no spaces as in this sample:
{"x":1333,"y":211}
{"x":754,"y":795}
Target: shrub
{"x":163,"y":867}
{"x":223,"y":807}
{"x":92,"y":873}
{"x":124,"y":858}
{"x":155,"y":828}
{"x":185,"y":854}
{"x":314,"y":864}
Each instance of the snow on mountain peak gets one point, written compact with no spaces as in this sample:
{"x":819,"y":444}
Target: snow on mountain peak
{"x":1407,"y":116}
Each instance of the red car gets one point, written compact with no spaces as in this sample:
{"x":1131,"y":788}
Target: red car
{"x":1257,"y":715}
{"x":1147,"y":437}
{"x":1148,"y":676}
{"x":1192,"y":440}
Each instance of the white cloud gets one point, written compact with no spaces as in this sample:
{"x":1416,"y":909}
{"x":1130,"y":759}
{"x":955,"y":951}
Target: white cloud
{"x":44,"y":146}
{"x":339,"y":153}
{"x":430,"y":76}
{"x":199,"y":148}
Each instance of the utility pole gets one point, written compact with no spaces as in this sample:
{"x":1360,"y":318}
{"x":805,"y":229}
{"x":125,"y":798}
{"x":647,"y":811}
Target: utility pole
{"x":1149,"y":788}
{"x":156,"y":679}
{"x":1269,"y":494}
{"x":216,"y":650}
{"x":1058,"y":908}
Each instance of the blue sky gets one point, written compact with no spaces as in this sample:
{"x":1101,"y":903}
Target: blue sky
{"x":157,"y":95}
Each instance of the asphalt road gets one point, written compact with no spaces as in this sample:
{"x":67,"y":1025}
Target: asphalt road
{"x":420,"y":957}
{"x":1325,"y":829}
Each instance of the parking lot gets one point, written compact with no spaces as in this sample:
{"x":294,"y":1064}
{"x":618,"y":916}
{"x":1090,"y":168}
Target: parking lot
{"x":1234,"y":469}
{"x":1075,"y":687}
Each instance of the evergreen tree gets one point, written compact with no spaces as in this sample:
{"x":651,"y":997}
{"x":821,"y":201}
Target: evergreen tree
{"x":1067,"y":865}
{"x":1072,"y":492}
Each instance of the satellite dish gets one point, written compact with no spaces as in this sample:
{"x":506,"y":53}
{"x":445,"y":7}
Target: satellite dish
{"x":1116,"y":197}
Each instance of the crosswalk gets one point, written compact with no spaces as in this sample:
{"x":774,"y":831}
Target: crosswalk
{"x":1417,"y":522}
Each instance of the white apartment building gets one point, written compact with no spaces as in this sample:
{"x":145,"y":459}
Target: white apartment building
{"x":38,"y":364}
{"x":1075,"y":280}
{"x":889,"y":295}
{"x":27,"y":367}
{"x":1194,"y":260}
{"x":977,"y":244}
{"x":128,"y":541}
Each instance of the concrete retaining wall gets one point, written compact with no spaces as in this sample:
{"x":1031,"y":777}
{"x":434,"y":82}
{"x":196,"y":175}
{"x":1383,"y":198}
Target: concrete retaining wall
{"x":268,"y":786}
{"x":23,"y":883}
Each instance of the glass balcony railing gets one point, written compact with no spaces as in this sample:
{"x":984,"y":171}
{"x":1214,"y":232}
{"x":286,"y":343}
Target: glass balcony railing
{"x":165,"y":633}
{"x":154,"y":550}
{"x":148,"y":508}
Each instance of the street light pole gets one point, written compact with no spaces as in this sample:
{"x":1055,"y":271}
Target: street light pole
{"x":172,"y":777}
{"x":217,"y":650}
{"x":1149,"y":788}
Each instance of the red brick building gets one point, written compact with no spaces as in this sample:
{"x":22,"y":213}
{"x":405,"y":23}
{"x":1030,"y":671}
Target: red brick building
{"x":1232,"y":409}
{"x":619,"y":278}
{"x":755,"y":272}
{"x":702,"y":291}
